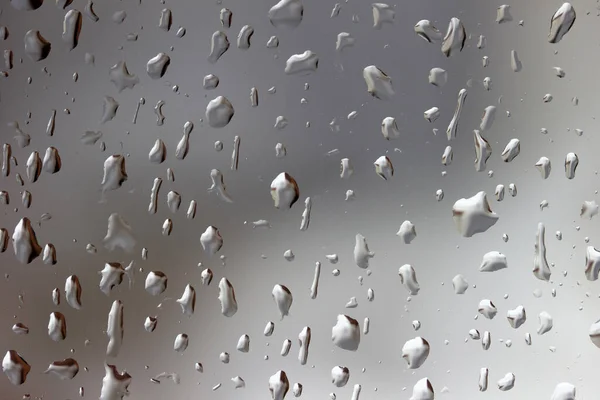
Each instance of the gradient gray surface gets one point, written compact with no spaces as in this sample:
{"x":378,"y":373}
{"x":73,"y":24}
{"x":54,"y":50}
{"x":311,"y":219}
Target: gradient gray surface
{"x":438,"y":253}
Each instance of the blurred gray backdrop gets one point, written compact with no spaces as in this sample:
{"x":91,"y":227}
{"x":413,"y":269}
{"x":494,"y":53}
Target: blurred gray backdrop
{"x":254,"y":257}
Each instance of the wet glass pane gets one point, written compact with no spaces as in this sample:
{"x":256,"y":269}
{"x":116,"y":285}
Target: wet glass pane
{"x":262,"y":199}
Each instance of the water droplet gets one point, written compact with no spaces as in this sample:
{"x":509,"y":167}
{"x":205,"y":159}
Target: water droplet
{"x":289,"y":255}
{"x":243,"y":344}
{"x":511,"y":151}
{"x":280,"y":150}
{"x":515,"y":62}
{"x":516,"y":317}
{"x":156,"y":67}
{"x":235,"y":154}
{"x":187,"y":301}
{"x":382,"y":14}
{"x":455,"y":38}
{"x":452,"y":129}
{"x":379,"y":84}
{"x":571,"y":163}
{"x":340,"y":376}
{"x":33,"y":167}
{"x":304,"y":340}
{"x":37,"y":48}
{"x":115,"y":330}
{"x":438,"y":77}
{"x":302,"y":64}
{"x":225,"y":16}
{"x":243,"y":39}
{"x":415,"y":352}
{"x":25,"y":244}
{"x":71,"y":28}
{"x":57,"y":326}
{"x":483,"y":151}
{"x":89,"y":11}
{"x":73,"y":292}
{"x":229,"y":304}
{"x":269,"y":328}
{"x":114,"y":384}
{"x":344,"y":39}
{"x":279,"y":385}
{"x":384,"y":167}
{"x":206,"y":276}
{"x":210,"y":82}
{"x":238,"y":382}
{"x":503,"y":14}
{"x":285,"y":348}
{"x":273,"y":42}
{"x":545,"y":323}
{"x":219,"y":112}
{"x":119,"y":16}
{"x":115,"y":173}
{"x":109,"y":109}
{"x":90,"y":137}
{"x":52,"y":162}
{"x":486,"y":341}
{"x":432,"y":114}
{"x":14,"y":366}
{"x":346,"y":333}
{"x":165,"y":20}
{"x":218,"y":186}
{"x":408,"y":277}
{"x":219,"y":44}
{"x":473,"y":215}
{"x":561,"y":22}
{"x":121,"y":77}
{"x":286,"y":13}
{"x":422,"y":390}
{"x":20,"y":329}
{"x":49,"y":254}
{"x":493,"y":261}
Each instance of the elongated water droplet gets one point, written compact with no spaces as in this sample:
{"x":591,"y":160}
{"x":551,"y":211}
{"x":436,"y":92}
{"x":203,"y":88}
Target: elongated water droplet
{"x":166,"y":19}
{"x":452,"y":129}
{"x":225,"y":16}
{"x":561,"y":22}
{"x":115,"y":329}
{"x":25,"y":244}
{"x":455,"y":38}
{"x":71,"y":28}
{"x":243,"y":39}
{"x":52,"y":162}
{"x":219,"y":44}
{"x":57,"y":326}
{"x":183,"y":146}
{"x":229,"y":304}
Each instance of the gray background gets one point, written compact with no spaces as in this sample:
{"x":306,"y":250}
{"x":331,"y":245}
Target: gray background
{"x":73,"y":197}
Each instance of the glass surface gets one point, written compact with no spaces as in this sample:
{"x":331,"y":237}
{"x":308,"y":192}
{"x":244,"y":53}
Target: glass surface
{"x":126,"y":177}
